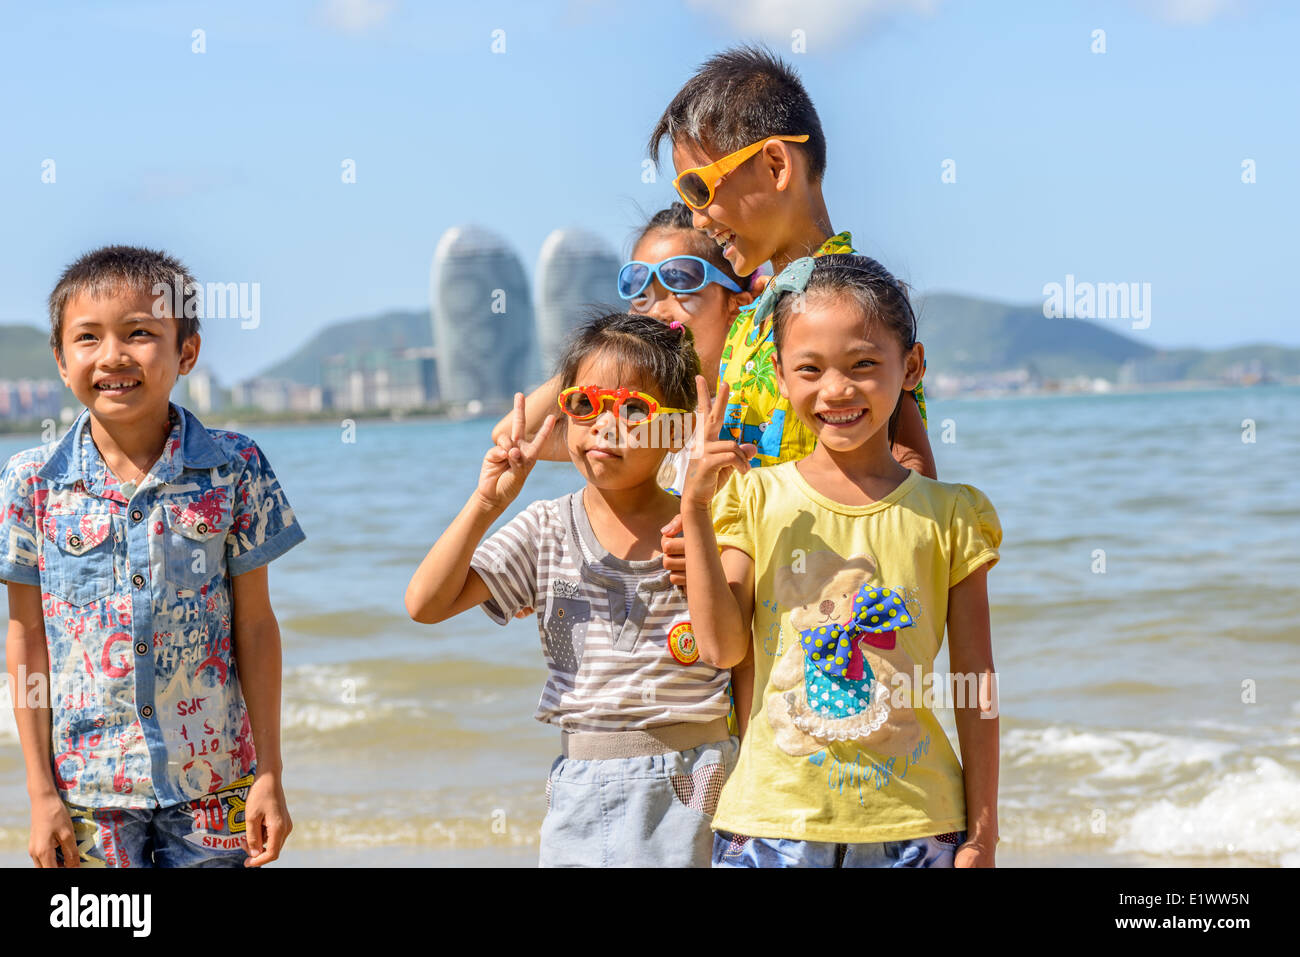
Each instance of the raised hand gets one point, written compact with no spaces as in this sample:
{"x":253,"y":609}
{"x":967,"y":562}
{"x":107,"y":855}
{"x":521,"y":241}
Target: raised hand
{"x":712,"y":459}
{"x":507,"y":464}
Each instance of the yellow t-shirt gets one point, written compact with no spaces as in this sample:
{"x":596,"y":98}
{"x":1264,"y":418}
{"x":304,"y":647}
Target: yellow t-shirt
{"x":832,"y":753}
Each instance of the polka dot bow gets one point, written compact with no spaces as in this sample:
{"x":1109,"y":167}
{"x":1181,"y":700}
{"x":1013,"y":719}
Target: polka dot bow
{"x":833,"y":648}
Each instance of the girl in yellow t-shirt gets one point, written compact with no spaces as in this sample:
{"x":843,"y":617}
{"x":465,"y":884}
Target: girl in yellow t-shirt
{"x":841,"y":571}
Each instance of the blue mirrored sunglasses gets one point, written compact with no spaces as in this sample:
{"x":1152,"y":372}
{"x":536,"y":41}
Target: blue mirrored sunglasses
{"x":676,"y":274}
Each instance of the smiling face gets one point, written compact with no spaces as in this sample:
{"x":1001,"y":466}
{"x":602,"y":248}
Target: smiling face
{"x":609,"y":453}
{"x":747,"y":215}
{"x":119,"y":359}
{"x":707,"y":313}
{"x":842,"y":372}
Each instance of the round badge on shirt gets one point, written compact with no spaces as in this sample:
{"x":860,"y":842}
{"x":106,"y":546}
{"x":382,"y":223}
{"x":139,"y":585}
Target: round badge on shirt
{"x":681,"y":644}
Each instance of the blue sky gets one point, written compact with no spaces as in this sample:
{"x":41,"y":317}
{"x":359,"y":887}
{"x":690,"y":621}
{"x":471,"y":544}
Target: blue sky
{"x":1116,"y":167}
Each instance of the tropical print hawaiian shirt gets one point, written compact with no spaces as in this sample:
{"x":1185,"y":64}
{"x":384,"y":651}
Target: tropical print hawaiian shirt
{"x":136,"y":590}
{"x":756,"y":412}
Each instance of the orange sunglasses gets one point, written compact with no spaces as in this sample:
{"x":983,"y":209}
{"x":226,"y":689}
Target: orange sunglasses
{"x":696,"y":186}
{"x":582,"y":403}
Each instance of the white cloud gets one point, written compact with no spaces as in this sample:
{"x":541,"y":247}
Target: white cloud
{"x":356,"y":16}
{"x":1191,"y":12}
{"x":825,"y":22}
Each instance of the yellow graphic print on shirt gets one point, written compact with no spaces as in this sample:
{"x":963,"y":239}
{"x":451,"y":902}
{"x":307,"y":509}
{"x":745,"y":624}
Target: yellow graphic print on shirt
{"x":756,"y":412}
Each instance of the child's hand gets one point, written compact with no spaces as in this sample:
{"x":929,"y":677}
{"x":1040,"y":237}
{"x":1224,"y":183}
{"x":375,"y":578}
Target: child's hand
{"x":52,"y":828}
{"x":267,"y":817}
{"x":974,"y":854}
{"x":508,"y":463}
{"x":712,"y":459}
{"x":673,"y":546}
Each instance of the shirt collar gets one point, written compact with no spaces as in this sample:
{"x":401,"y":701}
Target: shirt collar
{"x":841,"y":242}
{"x":75,"y":457}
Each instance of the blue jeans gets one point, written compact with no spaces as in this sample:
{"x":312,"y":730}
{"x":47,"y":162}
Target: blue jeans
{"x":208,"y":832}
{"x":737,"y":850}
{"x":635,"y":812}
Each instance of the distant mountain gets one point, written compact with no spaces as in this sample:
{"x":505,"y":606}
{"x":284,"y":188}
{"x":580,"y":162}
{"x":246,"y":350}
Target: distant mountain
{"x":1257,"y":360}
{"x":25,"y":353}
{"x":965,"y":336}
{"x":392,"y":330}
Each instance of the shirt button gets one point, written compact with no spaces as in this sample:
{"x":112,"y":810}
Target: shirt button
{"x":141,"y":648}
{"x":136,"y":515}
{"x":147,"y":711}
{"x":137,"y":580}
{"x":74,"y":541}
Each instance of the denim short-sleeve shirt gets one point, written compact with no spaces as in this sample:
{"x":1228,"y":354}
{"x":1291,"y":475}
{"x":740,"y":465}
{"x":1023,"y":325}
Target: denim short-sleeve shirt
{"x":136,"y":591}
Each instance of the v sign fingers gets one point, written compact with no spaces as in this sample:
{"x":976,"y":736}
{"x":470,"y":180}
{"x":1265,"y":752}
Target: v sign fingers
{"x":532,"y":449}
{"x":708,"y":415}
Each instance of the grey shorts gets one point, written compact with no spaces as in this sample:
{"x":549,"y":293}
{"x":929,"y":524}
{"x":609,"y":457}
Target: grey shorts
{"x":650,"y":811}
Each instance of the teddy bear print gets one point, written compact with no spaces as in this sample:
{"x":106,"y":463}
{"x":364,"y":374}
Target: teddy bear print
{"x":834,"y":680}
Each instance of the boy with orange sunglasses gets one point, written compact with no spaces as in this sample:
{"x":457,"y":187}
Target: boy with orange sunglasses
{"x":748,"y":147}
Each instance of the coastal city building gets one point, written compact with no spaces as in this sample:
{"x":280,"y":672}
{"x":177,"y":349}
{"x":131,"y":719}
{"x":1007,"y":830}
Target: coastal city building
{"x":276,"y":395}
{"x":482,"y":318}
{"x":30,"y":400}
{"x":380,"y":379}
{"x":199,"y":391}
{"x":576,"y":275}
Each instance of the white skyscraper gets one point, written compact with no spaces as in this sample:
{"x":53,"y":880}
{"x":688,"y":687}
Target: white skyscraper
{"x":482,"y":317}
{"x":576,"y":271}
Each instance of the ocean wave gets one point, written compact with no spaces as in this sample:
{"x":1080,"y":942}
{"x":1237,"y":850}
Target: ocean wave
{"x":396,"y":698}
{"x":1117,"y":755}
{"x":1254,"y":812}
{"x":1136,"y":794}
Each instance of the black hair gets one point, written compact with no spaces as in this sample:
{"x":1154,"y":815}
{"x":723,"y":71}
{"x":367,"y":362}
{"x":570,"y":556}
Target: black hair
{"x":738,"y":97}
{"x":110,"y":269}
{"x":679,"y":216}
{"x":880,"y":297}
{"x":640,"y":344}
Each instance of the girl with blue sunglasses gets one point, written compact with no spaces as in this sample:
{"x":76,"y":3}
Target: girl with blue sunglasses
{"x":676,"y":274}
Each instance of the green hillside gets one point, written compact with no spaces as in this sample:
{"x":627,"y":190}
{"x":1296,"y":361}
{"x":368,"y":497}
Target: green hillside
{"x":392,"y":330}
{"x":965,"y":336}
{"x":25,"y":353}
{"x":1198,"y":364}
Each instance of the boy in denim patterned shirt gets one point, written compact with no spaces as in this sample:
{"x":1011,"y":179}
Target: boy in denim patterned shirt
{"x":142,"y":647}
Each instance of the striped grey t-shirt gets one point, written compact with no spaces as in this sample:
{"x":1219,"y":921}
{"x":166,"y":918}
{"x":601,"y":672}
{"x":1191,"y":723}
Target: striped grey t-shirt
{"x":609,"y":660}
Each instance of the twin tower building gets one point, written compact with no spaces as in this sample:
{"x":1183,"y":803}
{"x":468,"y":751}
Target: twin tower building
{"x":491,"y":341}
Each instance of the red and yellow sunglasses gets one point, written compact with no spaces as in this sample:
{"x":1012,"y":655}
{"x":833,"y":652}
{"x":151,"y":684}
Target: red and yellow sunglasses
{"x":583,"y":403}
